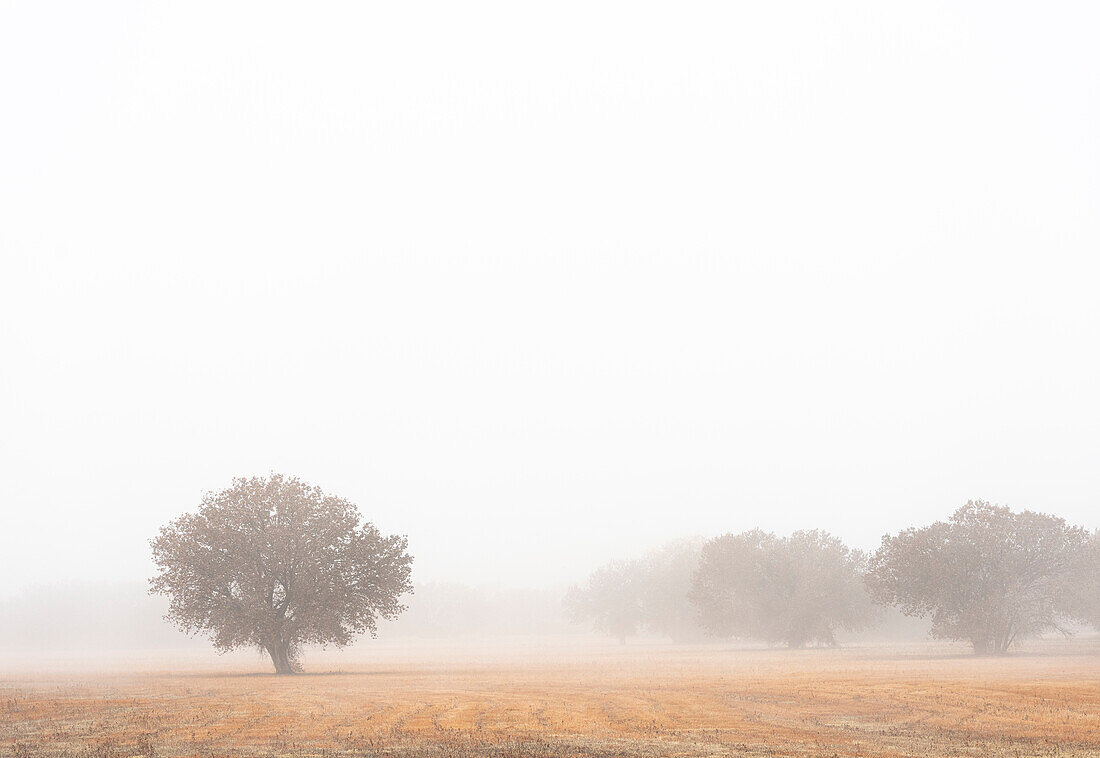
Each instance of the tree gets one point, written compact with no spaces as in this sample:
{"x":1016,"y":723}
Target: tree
{"x":649,"y":594}
{"x":796,"y":590}
{"x":664,"y":584}
{"x":277,"y":564}
{"x":610,"y":601}
{"x":1082,"y":600}
{"x":988,"y":575}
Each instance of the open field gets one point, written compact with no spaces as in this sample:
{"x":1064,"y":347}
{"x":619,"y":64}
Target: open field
{"x":542,"y":700}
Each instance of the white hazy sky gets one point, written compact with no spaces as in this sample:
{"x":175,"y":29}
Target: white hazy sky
{"x":543,"y":284}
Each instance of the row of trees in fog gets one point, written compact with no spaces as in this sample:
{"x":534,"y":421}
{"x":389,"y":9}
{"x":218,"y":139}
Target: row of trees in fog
{"x":988,"y":576}
{"x":278,"y":564}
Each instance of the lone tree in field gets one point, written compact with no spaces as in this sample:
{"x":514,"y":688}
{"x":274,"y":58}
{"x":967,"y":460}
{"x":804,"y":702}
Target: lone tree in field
{"x":988,"y":575}
{"x":277,"y":564}
{"x":798,"y":590}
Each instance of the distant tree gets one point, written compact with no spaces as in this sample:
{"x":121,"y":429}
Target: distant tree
{"x":796,"y":590}
{"x":664,"y":581}
{"x":624,"y":598}
{"x":1082,"y":601}
{"x":610,"y":601}
{"x":277,"y":564}
{"x":988,"y":575}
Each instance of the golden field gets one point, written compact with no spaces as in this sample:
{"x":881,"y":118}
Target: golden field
{"x":547,"y":699}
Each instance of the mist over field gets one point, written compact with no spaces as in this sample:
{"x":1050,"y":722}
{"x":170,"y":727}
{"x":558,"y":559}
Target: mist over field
{"x":116,"y":618}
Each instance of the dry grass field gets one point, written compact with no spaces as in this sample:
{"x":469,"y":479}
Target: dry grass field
{"x":541,"y":700}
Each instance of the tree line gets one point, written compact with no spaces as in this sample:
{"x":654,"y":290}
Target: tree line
{"x":277,"y":564}
{"x":989,"y":576}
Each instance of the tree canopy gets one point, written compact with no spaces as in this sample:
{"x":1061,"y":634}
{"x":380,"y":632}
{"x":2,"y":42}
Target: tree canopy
{"x":666,"y":574}
{"x":623,"y":598}
{"x":610,"y":600}
{"x":988,"y":575}
{"x":1082,"y":598}
{"x":277,"y":564}
{"x":796,"y":590}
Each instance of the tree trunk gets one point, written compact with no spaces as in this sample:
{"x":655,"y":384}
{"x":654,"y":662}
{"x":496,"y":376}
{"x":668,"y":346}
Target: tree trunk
{"x":280,"y":656}
{"x":992,"y":643}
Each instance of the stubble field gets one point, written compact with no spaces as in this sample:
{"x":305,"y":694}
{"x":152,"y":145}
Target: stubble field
{"x":546,"y":700}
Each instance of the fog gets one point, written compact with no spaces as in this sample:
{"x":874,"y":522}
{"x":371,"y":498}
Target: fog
{"x":123,"y":617}
{"x":104,"y":624}
{"x":539,"y":287}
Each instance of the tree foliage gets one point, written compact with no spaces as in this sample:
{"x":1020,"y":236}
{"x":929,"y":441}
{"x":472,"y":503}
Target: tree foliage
{"x":988,"y":575}
{"x":610,"y":601}
{"x":796,"y":590}
{"x":624,"y":598}
{"x":277,"y":564}
{"x":665,"y":583}
{"x":1082,"y":601}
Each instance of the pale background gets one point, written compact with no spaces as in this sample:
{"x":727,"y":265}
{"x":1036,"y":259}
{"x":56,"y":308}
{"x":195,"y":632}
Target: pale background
{"x":541,"y":285}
